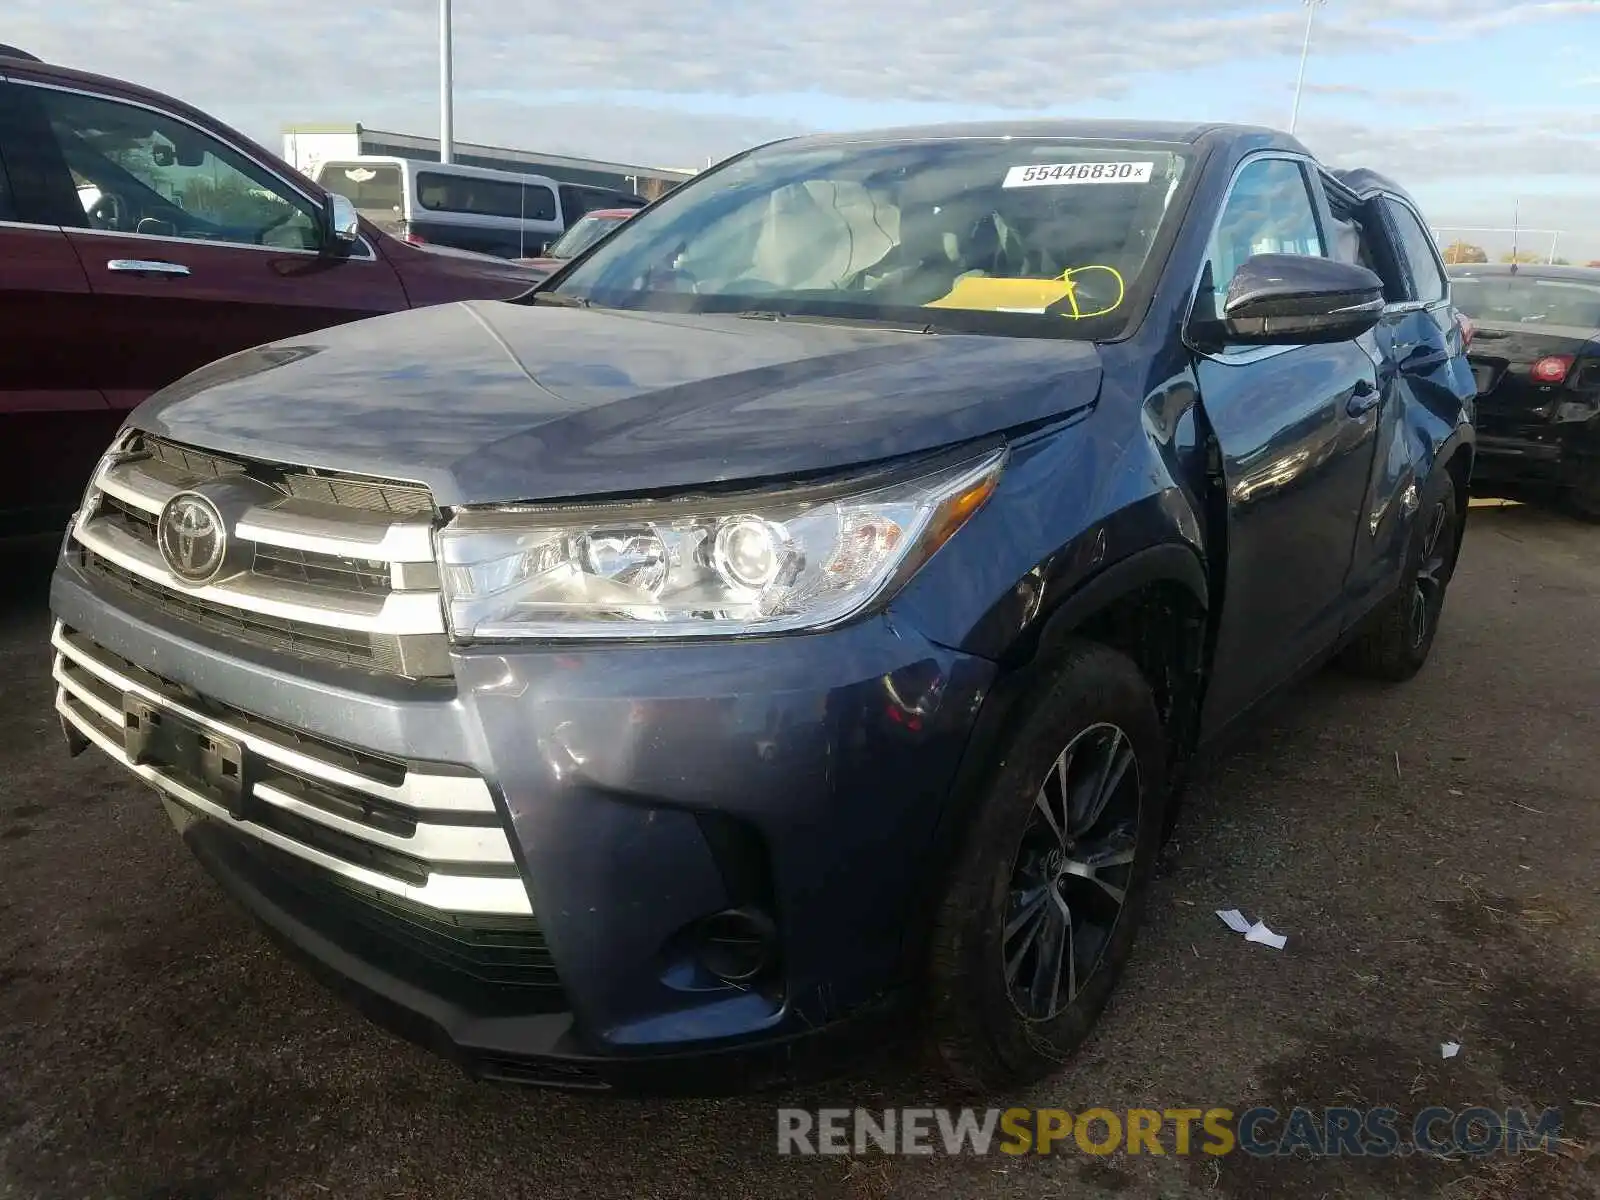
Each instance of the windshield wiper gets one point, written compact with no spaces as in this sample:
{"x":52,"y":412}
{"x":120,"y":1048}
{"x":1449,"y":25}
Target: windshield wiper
{"x":760,"y":314}
{"x":560,"y":300}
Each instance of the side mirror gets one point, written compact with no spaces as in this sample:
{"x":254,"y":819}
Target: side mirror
{"x":1293,"y":299}
{"x":344,"y":224}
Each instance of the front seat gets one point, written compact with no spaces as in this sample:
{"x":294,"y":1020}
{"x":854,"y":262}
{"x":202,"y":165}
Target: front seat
{"x":925,"y":264}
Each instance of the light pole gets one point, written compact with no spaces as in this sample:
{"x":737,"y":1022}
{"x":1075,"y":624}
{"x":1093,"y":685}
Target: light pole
{"x":1305,"y":52}
{"x":446,"y":115}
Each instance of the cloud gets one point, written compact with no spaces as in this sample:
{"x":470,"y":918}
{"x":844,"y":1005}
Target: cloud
{"x":519,"y":68}
{"x":1023,"y":54}
{"x":1546,"y":145}
{"x":1428,"y":97}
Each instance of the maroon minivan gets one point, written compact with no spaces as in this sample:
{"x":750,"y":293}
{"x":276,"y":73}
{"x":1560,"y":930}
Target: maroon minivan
{"x":140,"y":239}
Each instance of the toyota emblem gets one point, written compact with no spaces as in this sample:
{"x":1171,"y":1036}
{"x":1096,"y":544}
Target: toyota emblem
{"x":192,"y":538}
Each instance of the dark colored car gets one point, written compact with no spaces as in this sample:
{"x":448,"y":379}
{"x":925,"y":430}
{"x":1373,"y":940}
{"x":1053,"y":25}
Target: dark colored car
{"x":802,"y":609}
{"x":1536,"y":358}
{"x":140,"y":239}
{"x":588,"y":230}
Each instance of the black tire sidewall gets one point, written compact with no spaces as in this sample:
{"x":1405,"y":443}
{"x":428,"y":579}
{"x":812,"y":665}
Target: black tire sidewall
{"x":1442,"y":488}
{"x":985,"y":1042}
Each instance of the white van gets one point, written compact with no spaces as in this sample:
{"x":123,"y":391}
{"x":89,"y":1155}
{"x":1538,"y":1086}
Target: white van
{"x":504,"y":213}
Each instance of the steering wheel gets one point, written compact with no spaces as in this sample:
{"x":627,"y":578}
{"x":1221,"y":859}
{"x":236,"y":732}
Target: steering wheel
{"x":106,"y":212}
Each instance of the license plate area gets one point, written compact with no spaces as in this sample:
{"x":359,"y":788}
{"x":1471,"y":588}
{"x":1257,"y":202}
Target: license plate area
{"x":213,"y":765}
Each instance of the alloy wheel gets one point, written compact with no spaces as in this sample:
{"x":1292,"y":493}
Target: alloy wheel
{"x":1433,"y":574}
{"x":1073,"y":868}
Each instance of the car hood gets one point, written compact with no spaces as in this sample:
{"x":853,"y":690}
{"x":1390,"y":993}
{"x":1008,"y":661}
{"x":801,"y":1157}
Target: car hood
{"x":492,"y":402}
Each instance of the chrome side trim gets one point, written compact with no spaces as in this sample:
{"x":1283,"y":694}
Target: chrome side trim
{"x":420,"y":790}
{"x":367,"y":254}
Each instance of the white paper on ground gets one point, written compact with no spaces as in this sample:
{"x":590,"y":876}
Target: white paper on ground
{"x":1253,"y":931}
{"x":1260,"y":933}
{"x":1449,"y":1049}
{"x":1234,"y":920}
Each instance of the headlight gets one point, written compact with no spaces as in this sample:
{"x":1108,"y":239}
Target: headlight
{"x":766,"y":562}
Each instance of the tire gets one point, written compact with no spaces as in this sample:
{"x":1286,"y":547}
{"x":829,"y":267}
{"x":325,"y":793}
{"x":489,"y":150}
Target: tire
{"x":988,"y":1031}
{"x":1584,"y":498}
{"x":1395,"y":640}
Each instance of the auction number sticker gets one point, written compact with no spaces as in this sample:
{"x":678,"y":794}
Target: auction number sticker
{"x":1058,"y":174}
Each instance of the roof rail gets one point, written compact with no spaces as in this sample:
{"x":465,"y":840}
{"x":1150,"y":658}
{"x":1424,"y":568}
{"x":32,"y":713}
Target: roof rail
{"x":13,"y":52}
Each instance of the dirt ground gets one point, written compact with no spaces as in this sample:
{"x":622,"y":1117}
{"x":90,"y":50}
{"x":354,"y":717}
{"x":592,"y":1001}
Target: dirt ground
{"x":1429,"y":849}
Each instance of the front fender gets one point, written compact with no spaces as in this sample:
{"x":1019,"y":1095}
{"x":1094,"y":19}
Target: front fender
{"x":1083,"y":513}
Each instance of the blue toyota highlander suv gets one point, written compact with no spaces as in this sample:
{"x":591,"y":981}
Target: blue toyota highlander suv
{"x":797,"y":611}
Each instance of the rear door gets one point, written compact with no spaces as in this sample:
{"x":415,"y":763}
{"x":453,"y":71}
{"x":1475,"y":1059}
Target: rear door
{"x":1423,"y":365}
{"x":192,"y":249}
{"x":54,"y":421}
{"x":1295,"y":427}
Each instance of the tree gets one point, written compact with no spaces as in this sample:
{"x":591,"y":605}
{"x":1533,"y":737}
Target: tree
{"x":1459,"y":251}
{"x":1522,"y":256}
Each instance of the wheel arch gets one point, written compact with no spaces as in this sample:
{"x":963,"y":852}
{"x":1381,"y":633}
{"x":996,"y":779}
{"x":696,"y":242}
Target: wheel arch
{"x":1151,"y":605}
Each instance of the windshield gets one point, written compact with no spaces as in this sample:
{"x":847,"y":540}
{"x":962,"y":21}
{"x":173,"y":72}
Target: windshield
{"x":581,"y":236}
{"x":1031,"y":236}
{"x":1521,"y":299}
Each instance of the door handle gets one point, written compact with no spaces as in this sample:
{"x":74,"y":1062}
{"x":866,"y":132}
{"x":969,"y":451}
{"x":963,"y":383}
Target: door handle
{"x":1364,"y":398}
{"x":146,"y":266}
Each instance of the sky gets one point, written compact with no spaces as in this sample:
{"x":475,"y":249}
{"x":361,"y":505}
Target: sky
{"x":1488,"y":111}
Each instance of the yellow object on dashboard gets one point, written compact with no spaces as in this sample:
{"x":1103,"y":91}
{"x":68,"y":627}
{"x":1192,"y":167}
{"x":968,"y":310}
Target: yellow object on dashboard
{"x":986,"y":293}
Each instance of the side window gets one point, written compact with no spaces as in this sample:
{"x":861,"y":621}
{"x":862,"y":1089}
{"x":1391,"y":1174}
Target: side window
{"x":439,"y":192}
{"x":541,"y":203}
{"x":138,"y":171}
{"x":574,"y":203}
{"x":1269,"y":211}
{"x":1421,"y":258}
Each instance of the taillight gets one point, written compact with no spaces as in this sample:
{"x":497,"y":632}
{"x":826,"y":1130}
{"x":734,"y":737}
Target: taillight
{"x":412,"y":239}
{"x":1552,"y":368}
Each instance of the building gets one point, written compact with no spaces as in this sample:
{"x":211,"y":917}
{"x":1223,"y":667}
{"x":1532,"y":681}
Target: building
{"x":309,"y":146}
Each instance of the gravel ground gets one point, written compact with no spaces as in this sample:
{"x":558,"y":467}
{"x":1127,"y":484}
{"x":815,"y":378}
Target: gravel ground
{"x":1430,"y":850}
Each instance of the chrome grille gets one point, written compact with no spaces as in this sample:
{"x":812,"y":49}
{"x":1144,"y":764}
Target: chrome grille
{"x":349,"y":647}
{"x":424,"y":833}
{"x":326,"y":487}
{"x":334,"y":567}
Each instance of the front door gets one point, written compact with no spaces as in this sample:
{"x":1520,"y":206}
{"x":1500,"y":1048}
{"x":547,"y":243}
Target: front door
{"x":1295,"y":429}
{"x":192,"y":249}
{"x":54,"y":421}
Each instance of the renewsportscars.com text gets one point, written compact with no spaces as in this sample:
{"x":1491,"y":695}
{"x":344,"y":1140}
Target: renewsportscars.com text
{"x":1263,"y":1132}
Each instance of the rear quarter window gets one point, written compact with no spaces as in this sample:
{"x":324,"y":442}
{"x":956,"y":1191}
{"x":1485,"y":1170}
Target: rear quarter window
{"x":1416,"y":243}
